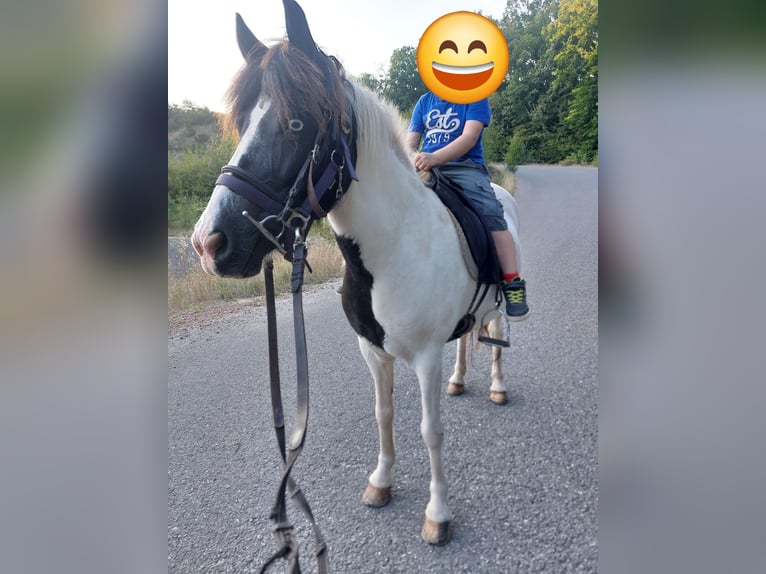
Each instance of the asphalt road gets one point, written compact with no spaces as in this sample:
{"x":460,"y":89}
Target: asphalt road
{"x":522,"y":477}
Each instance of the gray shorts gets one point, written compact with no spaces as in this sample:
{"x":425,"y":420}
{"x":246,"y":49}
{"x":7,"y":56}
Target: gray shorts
{"x":473,"y":179}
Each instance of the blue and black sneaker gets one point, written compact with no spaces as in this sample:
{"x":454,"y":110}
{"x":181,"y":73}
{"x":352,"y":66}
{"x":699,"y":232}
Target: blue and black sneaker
{"x":515,"y":294}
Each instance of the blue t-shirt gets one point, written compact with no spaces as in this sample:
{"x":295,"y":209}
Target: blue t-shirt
{"x":442,"y":122}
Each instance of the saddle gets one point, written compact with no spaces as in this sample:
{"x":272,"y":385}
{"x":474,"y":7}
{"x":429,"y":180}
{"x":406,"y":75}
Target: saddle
{"x":477,"y":234}
{"x":482,"y":247}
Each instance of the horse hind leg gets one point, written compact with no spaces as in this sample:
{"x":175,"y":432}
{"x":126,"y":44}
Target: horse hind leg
{"x":497,"y":391}
{"x":456,"y":384}
{"x":381,"y":365}
{"x":437,"y":526}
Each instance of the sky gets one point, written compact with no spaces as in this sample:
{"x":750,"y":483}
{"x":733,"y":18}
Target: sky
{"x":202,"y":48}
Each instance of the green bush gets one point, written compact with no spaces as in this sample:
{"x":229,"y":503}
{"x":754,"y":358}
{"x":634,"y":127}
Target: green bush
{"x":516,"y":154}
{"x":576,"y":158}
{"x":191,"y":178}
{"x":183,"y":213}
{"x":494,"y":144}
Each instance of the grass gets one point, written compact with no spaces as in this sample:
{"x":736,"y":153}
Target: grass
{"x":186,"y":293}
{"x":502,"y":176}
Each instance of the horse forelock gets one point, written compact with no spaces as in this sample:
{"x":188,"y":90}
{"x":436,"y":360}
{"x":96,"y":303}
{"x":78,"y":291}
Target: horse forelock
{"x":289,"y":79}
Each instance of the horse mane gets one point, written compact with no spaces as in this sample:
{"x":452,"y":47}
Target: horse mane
{"x":289,"y":79}
{"x":382,"y":127}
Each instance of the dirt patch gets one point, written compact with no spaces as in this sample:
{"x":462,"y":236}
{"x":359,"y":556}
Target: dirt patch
{"x":180,"y":323}
{"x":202,"y":315}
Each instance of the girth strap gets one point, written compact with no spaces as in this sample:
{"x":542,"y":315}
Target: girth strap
{"x":283,"y":530}
{"x":467,"y":321}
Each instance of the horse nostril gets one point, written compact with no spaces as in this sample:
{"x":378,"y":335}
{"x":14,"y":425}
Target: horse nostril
{"x":197,"y":244}
{"x":213,"y":242}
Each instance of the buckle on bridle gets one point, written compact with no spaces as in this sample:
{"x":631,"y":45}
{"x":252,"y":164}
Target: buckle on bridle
{"x":288,"y":217}
{"x":339,"y":166}
{"x":259,"y":225}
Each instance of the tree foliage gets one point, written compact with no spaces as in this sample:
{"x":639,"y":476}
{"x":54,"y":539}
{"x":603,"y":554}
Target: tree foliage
{"x":403,"y":85}
{"x":371,"y":82}
{"x":190,"y":126}
{"x":196,"y":151}
{"x":400,"y":83}
{"x":574,"y":40}
{"x":548,"y":104}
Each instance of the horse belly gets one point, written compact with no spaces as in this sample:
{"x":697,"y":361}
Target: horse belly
{"x":416,"y":318}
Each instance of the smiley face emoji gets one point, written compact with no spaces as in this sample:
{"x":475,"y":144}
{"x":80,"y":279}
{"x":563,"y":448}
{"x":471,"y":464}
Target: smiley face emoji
{"x":462,"y":57}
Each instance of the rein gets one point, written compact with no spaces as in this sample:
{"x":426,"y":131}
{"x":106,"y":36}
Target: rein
{"x":283,"y":530}
{"x":294,"y":218}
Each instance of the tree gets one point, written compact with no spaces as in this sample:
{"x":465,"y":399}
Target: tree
{"x":372,"y":83}
{"x":573,"y":41}
{"x":521,"y":106}
{"x":403,"y":86}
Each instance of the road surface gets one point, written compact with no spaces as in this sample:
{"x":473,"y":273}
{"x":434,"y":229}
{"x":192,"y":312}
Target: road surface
{"x":522,"y":477}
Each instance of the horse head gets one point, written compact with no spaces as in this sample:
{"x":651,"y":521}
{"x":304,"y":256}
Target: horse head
{"x":288,"y":105}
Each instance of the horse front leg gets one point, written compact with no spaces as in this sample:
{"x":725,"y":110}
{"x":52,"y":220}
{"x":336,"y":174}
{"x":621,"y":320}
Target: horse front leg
{"x":381,"y":365}
{"x":497,"y":390}
{"x":456,"y":384}
{"x":437,"y":527}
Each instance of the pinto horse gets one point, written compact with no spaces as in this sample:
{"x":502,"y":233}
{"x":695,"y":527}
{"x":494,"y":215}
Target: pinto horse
{"x":407,"y":281}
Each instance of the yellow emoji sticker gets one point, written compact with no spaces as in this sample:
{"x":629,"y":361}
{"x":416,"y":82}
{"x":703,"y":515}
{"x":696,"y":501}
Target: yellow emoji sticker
{"x":462,"y":57}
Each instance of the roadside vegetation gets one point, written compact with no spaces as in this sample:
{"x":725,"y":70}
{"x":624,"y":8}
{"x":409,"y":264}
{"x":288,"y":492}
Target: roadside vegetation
{"x":189,"y":291}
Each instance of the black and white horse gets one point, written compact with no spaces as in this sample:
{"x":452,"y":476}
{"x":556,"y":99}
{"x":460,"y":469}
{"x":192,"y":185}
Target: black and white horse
{"x":407,"y":281}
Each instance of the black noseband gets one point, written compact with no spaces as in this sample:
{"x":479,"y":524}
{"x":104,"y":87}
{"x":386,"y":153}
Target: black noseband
{"x":244,"y":184}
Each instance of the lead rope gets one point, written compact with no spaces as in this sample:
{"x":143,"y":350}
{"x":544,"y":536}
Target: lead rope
{"x":283,"y":530}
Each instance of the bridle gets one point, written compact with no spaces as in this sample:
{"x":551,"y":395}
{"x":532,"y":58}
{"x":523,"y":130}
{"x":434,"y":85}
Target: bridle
{"x":337,"y":171}
{"x":294,"y":217}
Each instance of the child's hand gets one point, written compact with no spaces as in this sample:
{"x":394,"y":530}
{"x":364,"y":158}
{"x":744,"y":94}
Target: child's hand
{"x":425,"y":161}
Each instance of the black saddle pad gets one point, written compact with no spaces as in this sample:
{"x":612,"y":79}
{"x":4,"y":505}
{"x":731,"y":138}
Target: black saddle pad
{"x":478,"y":236}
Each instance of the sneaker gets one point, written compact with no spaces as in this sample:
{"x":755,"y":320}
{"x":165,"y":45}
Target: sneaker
{"x":515,"y":294}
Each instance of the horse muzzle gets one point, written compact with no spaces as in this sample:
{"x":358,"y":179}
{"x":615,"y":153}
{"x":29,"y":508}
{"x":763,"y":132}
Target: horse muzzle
{"x":207,"y":247}
{"x":223,"y":252}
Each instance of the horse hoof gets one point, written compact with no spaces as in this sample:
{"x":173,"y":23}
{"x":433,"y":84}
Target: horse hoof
{"x":376,"y":497}
{"x":436,"y":533}
{"x":455,"y":389}
{"x":498,"y":397}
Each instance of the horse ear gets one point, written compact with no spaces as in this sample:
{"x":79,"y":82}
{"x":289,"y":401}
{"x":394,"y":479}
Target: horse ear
{"x":298,"y":29}
{"x":248,"y":43}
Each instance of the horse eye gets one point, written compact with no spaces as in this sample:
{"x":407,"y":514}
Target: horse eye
{"x":295,"y":125}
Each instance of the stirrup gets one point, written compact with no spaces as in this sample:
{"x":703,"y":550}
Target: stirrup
{"x":506,"y":332}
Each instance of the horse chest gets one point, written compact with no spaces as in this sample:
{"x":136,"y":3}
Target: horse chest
{"x":357,"y":294}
